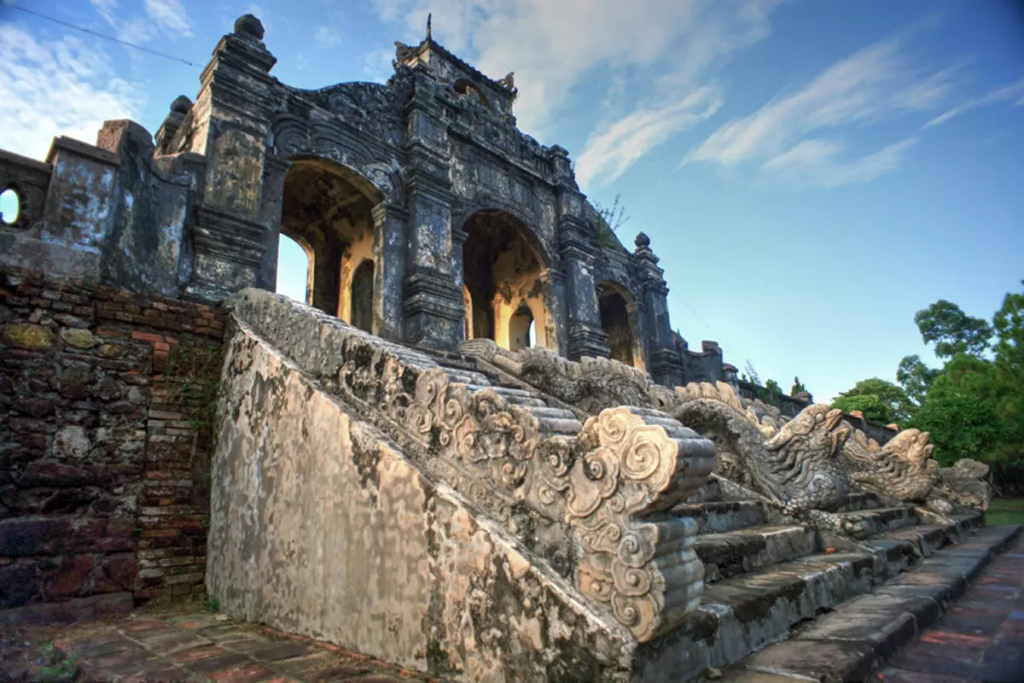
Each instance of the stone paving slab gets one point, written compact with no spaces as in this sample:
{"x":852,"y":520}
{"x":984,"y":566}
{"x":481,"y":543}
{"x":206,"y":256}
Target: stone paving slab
{"x":193,"y":647}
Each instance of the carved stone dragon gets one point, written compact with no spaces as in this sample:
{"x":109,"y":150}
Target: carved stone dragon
{"x":807,"y":463}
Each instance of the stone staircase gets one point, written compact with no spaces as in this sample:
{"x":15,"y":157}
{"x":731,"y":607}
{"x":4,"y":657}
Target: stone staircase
{"x":781,"y":599}
{"x":784,"y":601}
{"x":768,"y":579}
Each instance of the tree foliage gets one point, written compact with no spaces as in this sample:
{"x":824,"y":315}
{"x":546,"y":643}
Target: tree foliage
{"x":974,"y":405}
{"x":898,"y":406}
{"x":798,"y":387}
{"x":952,"y":330}
{"x":916,"y":377}
{"x":874,"y":409}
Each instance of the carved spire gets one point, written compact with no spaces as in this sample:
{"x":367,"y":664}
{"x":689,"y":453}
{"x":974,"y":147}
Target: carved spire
{"x":429,"y":15}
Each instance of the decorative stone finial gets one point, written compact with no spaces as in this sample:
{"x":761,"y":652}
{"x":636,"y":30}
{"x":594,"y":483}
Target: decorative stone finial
{"x":428,"y":25}
{"x":181,"y":105}
{"x":642,"y":241}
{"x":249,"y":25}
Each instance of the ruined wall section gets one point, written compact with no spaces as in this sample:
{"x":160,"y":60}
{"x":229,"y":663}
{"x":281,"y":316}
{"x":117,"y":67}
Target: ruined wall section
{"x":104,"y":213}
{"x":105,"y":401}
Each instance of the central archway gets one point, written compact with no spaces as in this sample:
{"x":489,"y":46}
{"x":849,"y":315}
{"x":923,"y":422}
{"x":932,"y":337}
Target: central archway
{"x":614,"y":302}
{"x":327,"y":209}
{"x":502,"y":272}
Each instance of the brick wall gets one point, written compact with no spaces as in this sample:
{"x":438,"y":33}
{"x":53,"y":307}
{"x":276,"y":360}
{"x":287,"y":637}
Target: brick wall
{"x":106,"y":403}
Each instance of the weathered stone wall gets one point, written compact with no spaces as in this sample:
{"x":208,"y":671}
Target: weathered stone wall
{"x":321,"y":526}
{"x":104,"y":397}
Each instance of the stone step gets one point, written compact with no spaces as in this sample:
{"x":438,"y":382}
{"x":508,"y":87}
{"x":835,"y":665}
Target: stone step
{"x":517,"y":397}
{"x":718,"y":517}
{"x":861,"y":500}
{"x":743,"y":614}
{"x":710,"y":491}
{"x":850,"y":643}
{"x":739,"y":552}
{"x":881,"y":520}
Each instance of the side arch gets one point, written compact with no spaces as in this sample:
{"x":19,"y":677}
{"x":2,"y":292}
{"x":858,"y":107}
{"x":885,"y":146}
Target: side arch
{"x":620,"y":321}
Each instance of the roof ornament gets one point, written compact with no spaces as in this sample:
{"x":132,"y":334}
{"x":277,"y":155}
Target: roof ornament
{"x":509,"y":81}
{"x":429,"y":15}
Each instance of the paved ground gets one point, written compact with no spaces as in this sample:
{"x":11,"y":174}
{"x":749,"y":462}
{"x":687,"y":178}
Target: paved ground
{"x":980,"y":640}
{"x":198,"y":647}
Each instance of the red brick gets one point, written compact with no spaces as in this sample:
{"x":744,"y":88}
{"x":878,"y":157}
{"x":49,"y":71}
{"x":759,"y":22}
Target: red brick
{"x":147,"y":336}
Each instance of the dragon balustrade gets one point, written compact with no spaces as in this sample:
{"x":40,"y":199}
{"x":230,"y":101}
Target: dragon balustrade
{"x":808,"y":463}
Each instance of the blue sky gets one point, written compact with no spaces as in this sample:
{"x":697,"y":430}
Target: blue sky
{"x":810,"y":173}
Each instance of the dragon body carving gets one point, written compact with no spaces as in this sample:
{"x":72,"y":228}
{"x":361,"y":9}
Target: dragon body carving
{"x":807,"y":463}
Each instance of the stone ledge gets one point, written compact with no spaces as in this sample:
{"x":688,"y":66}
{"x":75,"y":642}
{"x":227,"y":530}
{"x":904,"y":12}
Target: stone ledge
{"x":70,"y":612}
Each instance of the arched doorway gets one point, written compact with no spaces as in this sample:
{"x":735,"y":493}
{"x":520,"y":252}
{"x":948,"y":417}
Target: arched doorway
{"x":327,"y":209}
{"x":502,"y":274}
{"x":294,"y":267}
{"x":613,"y":301}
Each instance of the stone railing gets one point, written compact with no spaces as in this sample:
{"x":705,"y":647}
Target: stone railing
{"x":592,"y":499}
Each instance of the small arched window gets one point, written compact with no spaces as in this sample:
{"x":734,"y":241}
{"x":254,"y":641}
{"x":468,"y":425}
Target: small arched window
{"x":10,"y":206}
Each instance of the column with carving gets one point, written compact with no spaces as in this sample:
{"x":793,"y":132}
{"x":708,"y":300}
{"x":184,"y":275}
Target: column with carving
{"x":637,"y":329}
{"x":577,"y":241}
{"x":663,"y":361}
{"x":230,"y":123}
{"x":432,"y":297}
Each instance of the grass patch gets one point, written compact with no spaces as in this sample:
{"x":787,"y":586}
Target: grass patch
{"x":1005,"y":511}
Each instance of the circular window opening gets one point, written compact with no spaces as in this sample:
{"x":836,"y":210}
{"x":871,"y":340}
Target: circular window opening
{"x":10,"y":206}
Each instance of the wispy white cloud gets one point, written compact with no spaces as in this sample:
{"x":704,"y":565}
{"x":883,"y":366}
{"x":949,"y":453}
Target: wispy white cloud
{"x":159,"y":17}
{"x":60,"y":87}
{"x":326,"y":37}
{"x":378,"y":67}
{"x":785,"y":135}
{"x":609,"y":152}
{"x":820,"y":162}
{"x":997,"y":96}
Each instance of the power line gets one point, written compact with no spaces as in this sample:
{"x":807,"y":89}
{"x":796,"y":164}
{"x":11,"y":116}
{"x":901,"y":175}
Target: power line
{"x":100,"y":35}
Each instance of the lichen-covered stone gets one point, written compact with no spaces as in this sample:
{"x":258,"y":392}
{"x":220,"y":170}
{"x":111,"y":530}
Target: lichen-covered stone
{"x":78,"y":338}
{"x":27,"y":336}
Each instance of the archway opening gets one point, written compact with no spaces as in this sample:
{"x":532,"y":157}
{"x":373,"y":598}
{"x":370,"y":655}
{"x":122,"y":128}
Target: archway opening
{"x":294,"y":262}
{"x":520,"y":329}
{"x":502,"y":274}
{"x":362,"y":295}
{"x":327,"y":209}
{"x":612,"y":305}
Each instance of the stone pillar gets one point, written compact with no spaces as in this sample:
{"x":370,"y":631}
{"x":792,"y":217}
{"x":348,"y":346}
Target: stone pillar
{"x":231,"y":120}
{"x":433,"y":299}
{"x":663,"y":361}
{"x":577,"y":241}
{"x":389,"y":270}
{"x":274,"y":171}
{"x":557,"y":311}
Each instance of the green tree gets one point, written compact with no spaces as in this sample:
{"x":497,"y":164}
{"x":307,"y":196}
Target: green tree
{"x":874,"y":409}
{"x":916,"y":377}
{"x":899,"y":406}
{"x":751,"y":373}
{"x":960,"y":411}
{"x":798,"y":386}
{"x":773,"y":387}
{"x":1008,"y":370}
{"x":952,"y":330}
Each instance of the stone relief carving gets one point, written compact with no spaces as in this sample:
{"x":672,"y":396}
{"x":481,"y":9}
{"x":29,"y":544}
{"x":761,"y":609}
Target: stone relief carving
{"x":606,"y":487}
{"x":807,"y":463}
